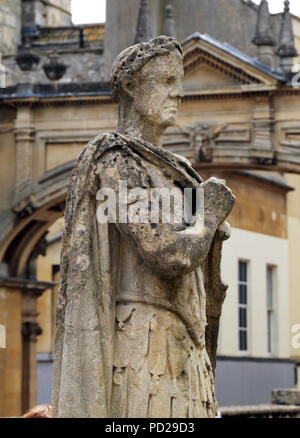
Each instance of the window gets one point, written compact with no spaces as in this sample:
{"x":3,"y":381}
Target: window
{"x":270,"y":306}
{"x":243,"y":301}
{"x":55,"y":271}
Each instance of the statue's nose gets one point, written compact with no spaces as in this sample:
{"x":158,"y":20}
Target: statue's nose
{"x":177,"y":91}
{"x":180,"y":93}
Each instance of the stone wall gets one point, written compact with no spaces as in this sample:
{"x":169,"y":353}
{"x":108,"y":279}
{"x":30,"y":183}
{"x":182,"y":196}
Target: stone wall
{"x":56,"y":17}
{"x":15,"y":13}
{"x":7,"y":169}
{"x":233,"y":21}
{"x":10,"y":25}
{"x":84,"y":66}
{"x":11,"y":356}
{"x":46,"y":13}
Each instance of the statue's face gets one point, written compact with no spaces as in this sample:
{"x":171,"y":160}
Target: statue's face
{"x":157,"y":91}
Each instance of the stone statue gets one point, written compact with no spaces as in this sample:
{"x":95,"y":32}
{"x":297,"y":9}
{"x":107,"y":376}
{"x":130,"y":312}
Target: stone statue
{"x":139,"y":302}
{"x":203,"y":140}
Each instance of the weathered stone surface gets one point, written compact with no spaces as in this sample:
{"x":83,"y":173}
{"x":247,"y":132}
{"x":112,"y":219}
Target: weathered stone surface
{"x":286,"y":50}
{"x":85,"y":66}
{"x":286,"y":44}
{"x":264,"y":35}
{"x":169,"y":22}
{"x":2,"y":336}
{"x":286,"y":397}
{"x":232,"y":21}
{"x":135,"y":337}
{"x":10,"y":25}
{"x":40,"y":13}
{"x":144,"y":28}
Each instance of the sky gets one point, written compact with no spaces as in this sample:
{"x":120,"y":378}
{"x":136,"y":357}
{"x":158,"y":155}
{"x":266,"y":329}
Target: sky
{"x":278,"y":6}
{"x":93,"y":11}
{"x":88,"y":11}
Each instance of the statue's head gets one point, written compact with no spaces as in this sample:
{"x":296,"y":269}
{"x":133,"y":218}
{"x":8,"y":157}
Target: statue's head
{"x":147,"y":77}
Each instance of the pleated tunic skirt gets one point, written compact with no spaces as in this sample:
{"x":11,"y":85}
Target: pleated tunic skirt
{"x":159,"y":372}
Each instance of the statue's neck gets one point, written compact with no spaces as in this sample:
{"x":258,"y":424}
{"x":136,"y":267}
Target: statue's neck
{"x":132,"y":124}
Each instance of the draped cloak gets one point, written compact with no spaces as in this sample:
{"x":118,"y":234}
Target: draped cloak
{"x":86,"y":306}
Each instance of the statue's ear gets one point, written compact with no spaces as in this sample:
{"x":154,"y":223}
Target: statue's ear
{"x":128,"y":86}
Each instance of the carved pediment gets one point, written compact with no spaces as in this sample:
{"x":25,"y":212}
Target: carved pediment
{"x":205,"y":76}
{"x":211,"y":65}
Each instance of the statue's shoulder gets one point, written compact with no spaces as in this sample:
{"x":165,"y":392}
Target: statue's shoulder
{"x":115,"y":157}
{"x":107,"y":142}
{"x":97,"y":146}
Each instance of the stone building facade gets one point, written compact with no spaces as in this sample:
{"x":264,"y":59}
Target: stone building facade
{"x":231,"y":21}
{"x":10,"y":25}
{"x":15,"y":14}
{"x":238,"y":119}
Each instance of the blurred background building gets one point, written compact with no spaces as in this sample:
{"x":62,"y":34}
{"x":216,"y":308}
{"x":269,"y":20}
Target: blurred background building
{"x":239,"y":120}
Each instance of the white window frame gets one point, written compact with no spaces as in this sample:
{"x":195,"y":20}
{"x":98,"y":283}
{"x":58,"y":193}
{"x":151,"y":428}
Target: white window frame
{"x":243,"y":306}
{"x":271,"y":308}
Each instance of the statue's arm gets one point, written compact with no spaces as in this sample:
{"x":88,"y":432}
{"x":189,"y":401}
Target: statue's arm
{"x":169,"y":252}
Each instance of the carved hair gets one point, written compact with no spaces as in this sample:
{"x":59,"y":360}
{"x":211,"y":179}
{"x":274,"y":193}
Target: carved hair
{"x":133,"y":59}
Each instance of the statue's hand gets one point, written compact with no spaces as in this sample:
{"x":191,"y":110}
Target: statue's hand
{"x":218,"y":199}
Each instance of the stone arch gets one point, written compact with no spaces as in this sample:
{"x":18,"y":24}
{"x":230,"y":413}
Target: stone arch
{"x":19,"y":244}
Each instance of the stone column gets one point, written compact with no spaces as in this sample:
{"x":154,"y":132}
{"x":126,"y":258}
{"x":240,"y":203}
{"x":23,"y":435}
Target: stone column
{"x":24,"y":138}
{"x":265,"y":54}
{"x":18,"y":365}
{"x":30,"y":331}
{"x":2,"y":336}
{"x":263,"y":131}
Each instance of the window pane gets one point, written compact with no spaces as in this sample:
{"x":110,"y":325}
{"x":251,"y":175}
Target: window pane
{"x":270,"y":275}
{"x":270,"y":332}
{"x":270,"y":286}
{"x":243,"y":271}
{"x":243,"y":298}
{"x":242,"y":294}
{"x":271,"y":270}
{"x":243,"y":340}
{"x":243,"y":318}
